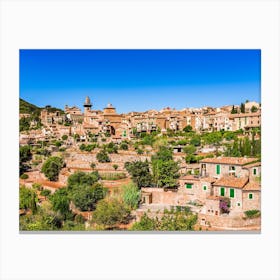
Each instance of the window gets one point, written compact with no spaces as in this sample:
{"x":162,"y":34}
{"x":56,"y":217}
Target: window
{"x":205,"y":188}
{"x":231,"y":193}
{"x":232,"y":170}
{"x":189,"y":186}
{"x":218,"y":169}
{"x":250,"y":196}
{"x":222,"y":191}
{"x":255,"y":171}
{"x":238,"y":204}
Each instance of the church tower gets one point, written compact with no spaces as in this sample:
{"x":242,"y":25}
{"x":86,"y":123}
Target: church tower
{"x":87,"y":105}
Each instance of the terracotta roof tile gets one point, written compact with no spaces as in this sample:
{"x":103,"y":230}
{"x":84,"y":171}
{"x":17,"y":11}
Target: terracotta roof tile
{"x":252,"y":165}
{"x":189,"y":178}
{"x":252,"y":186}
{"x":229,"y":181}
{"x":229,"y":160}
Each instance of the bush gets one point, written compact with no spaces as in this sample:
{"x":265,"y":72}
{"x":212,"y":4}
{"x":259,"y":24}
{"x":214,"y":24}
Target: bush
{"x":45,"y":192}
{"x":24,"y":176}
{"x":27,"y":199}
{"x":93,"y":165}
{"x":111,"y":212}
{"x":140,"y":151}
{"x":64,"y":137}
{"x":131,"y":195}
{"x":25,"y":153}
{"x":124,"y":146}
{"x":102,"y":156}
{"x":252,"y":213}
{"x":112,"y":176}
{"x":115,"y":166}
{"x":81,"y":178}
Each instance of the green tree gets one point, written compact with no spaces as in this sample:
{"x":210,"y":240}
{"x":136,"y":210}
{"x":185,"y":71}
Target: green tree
{"x":131,"y":195}
{"x":64,"y":137}
{"x":145,"y":223}
{"x":254,"y":109}
{"x":60,"y":202}
{"x":115,"y":166}
{"x":233,"y":110}
{"x":102,"y":156}
{"x":110,"y":212}
{"x":27,"y":199}
{"x":85,"y":197}
{"x":188,"y":128}
{"x":195,"y":141}
{"x":189,"y":150}
{"x":24,"y":124}
{"x":242,"y":108}
{"x":166,"y":173}
{"x":140,"y":173}
{"x":25,"y":153}
{"x":124,"y":146}
{"x":81,"y":178}
{"x":52,"y":167}
{"x":165,"y":169}
{"x":45,"y":192}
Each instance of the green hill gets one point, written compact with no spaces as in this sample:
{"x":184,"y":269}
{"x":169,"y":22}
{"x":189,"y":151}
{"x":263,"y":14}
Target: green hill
{"x":28,"y":108}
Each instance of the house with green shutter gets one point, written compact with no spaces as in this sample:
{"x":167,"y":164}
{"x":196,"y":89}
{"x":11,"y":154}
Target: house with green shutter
{"x":226,"y":166}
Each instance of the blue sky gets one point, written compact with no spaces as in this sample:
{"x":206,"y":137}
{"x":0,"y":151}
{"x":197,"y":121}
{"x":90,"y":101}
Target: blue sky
{"x":138,"y":80}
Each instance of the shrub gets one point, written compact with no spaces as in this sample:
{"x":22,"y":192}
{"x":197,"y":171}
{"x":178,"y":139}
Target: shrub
{"x":110,"y":212}
{"x":64,"y":137}
{"x":45,"y":192}
{"x":27,"y":199}
{"x":24,"y":176}
{"x":115,"y":166}
{"x":131,"y":195}
{"x":140,"y":151}
{"x":124,"y":146}
{"x":252,"y":213}
{"x":112,"y":176}
{"x":81,"y":178}
{"x":102,"y":156}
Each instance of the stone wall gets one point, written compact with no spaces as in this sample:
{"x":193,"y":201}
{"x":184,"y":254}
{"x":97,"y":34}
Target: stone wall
{"x":224,"y":170}
{"x":254,"y":203}
{"x":227,"y":222}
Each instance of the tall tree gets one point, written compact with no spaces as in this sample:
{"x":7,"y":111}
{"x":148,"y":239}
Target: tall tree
{"x":242,"y":108}
{"x":140,"y":173}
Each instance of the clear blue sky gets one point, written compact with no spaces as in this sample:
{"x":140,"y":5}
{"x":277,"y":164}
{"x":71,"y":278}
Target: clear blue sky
{"x":138,"y":80}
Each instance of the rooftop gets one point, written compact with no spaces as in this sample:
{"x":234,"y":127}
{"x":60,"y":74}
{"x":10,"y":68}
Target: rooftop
{"x":229,"y":160}
{"x":252,"y":186}
{"x":229,"y":181}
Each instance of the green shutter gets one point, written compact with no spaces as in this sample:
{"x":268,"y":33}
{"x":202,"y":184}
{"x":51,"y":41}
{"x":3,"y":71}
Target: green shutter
{"x":254,"y":171}
{"x":189,"y":186}
{"x":218,"y":169}
{"x":222,"y":191}
{"x":231,"y":193}
{"x":124,"y":133}
{"x":204,"y":188}
{"x":250,"y":196}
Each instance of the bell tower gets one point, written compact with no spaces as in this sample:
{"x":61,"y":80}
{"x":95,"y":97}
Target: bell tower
{"x":87,"y":105}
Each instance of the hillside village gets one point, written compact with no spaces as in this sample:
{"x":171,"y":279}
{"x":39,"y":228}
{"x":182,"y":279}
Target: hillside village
{"x":190,"y":169}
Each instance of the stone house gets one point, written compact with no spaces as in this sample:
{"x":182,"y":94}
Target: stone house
{"x":232,"y":188}
{"x":225,"y":166}
{"x":195,"y":188}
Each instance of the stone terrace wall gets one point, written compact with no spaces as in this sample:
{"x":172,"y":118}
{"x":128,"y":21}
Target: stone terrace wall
{"x":83,"y":160}
{"x":228,"y":221}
